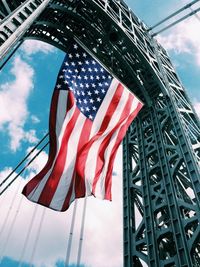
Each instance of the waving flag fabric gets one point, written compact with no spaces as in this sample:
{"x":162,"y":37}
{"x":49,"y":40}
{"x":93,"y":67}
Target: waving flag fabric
{"x":89,"y":116}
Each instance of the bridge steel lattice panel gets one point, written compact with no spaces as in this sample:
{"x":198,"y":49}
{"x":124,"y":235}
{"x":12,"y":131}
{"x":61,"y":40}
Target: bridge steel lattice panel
{"x":161,"y":151}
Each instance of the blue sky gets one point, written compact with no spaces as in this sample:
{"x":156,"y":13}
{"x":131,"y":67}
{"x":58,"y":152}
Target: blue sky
{"x":26,"y":86}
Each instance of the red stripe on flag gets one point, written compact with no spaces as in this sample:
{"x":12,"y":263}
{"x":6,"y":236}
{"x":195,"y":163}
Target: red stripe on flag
{"x":53,"y":180}
{"x":107,"y":118}
{"x":32,"y":184}
{"x":84,"y":137}
{"x":122,"y":132}
{"x":70,"y":101}
{"x":78,"y":182}
{"x":67,"y":201}
{"x":111,"y":109}
{"x":106,"y":141}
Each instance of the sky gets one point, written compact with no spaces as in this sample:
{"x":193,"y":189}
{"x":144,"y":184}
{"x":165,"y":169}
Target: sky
{"x":35,"y":236}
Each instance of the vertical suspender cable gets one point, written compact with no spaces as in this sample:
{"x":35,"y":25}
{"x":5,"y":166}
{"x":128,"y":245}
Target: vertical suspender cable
{"x":9,"y":211}
{"x":13,"y":199}
{"x":10,"y":230}
{"x":37,"y":237}
{"x":2,"y":251}
{"x":81,"y":233}
{"x":27,"y":236}
{"x":69,"y":245}
{"x":6,"y":219}
{"x":2,"y":200}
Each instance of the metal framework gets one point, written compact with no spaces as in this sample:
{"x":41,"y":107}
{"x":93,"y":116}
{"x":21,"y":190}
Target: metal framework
{"x":162,"y":148}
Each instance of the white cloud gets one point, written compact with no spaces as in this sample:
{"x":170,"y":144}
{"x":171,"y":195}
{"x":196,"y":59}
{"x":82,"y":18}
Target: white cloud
{"x":102,"y":241}
{"x":183,"y":38}
{"x":35,"y":119}
{"x":13,"y":103}
{"x":31,"y":47}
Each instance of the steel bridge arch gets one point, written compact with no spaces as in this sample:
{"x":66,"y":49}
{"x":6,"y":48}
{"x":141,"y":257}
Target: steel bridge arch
{"x":164,"y":141}
{"x":105,"y":41}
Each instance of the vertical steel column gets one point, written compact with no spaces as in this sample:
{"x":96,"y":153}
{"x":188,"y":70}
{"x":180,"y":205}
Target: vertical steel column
{"x":165,"y":143}
{"x":14,"y":26}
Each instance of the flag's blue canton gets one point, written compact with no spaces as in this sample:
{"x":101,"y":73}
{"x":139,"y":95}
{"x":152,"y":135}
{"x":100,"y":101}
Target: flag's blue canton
{"x":86,"y":78}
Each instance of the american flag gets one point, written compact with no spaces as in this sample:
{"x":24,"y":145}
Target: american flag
{"x":89,"y":115}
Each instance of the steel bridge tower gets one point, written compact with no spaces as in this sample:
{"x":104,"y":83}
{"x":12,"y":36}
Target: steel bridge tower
{"x":162,"y":148}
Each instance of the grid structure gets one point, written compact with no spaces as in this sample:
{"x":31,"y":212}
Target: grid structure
{"x":162,"y":148}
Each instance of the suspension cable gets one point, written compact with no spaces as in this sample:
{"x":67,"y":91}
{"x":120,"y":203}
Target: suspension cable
{"x":81,"y":233}
{"x":174,"y":14}
{"x":69,"y":245}
{"x":14,"y":220}
{"x":10,"y":230}
{"x":6,"y":221}
{"x":177,"y":21}
{"x":37,"y":237}
{"x":196,"y":15}
{"x":8,"y":212}
{"x":23,"y":160}
{"x":16,"y":176}
{"x":28,"y":235}
{"x":2,"y":200}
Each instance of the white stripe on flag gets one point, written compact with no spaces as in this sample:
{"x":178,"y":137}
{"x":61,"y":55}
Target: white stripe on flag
{"x":91,"y":162}
{"x":70,"y":160}
{"x":63,"y":94}
{"x":103,"y":108}
{"x":61,"y":110}
{"x":100,"y":186}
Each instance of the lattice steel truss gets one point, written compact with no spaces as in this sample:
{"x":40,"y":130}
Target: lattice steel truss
{"x":162,"y":148}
